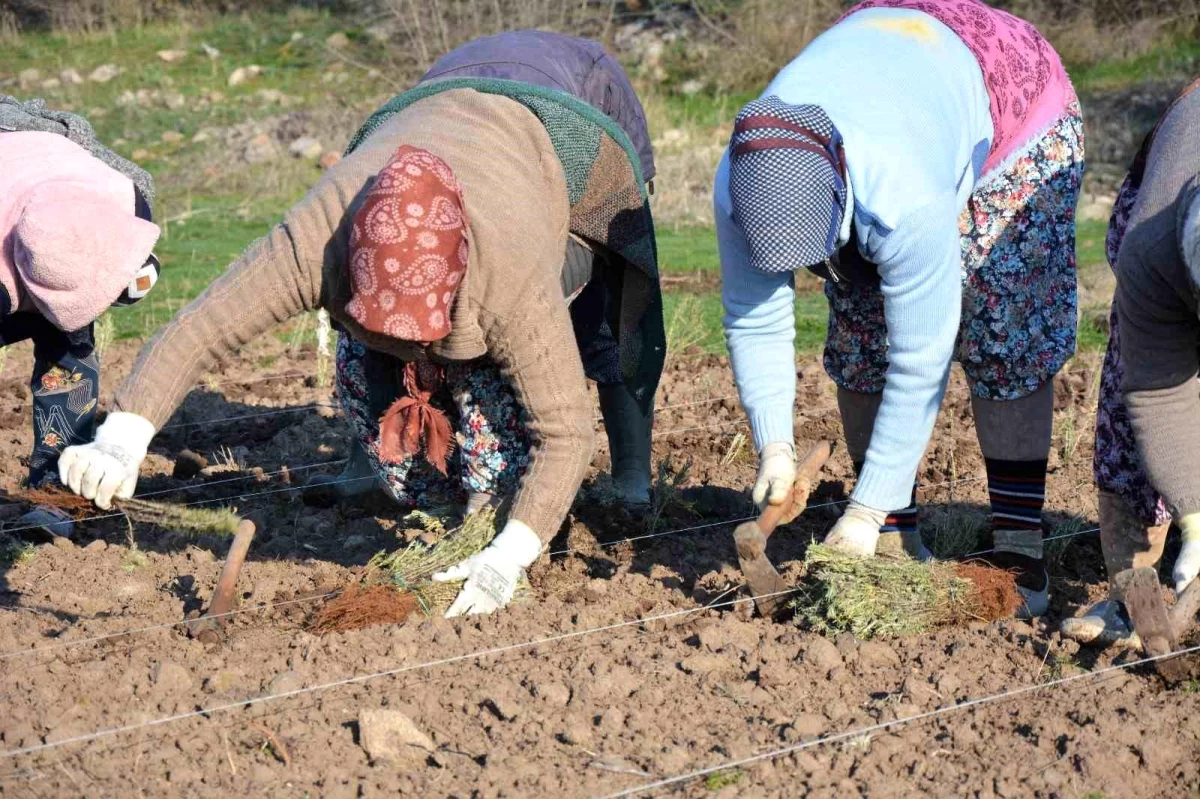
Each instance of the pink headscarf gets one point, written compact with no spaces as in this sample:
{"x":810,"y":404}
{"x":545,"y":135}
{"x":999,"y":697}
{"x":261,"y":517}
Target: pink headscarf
{"x":71,"y":240}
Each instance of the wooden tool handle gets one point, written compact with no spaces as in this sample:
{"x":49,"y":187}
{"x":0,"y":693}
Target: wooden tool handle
{"x":1186,"y":608}
{"x":796,"y":500}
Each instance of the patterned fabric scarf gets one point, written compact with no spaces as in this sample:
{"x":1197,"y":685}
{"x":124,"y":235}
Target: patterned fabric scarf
{"x":408,"y":255}
{"x":787,"y":183}
{"x":609,"y":206}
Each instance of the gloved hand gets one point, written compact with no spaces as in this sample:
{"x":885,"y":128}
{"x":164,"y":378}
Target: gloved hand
{"x":109,"y":465}
{"x":491,"y":575}
{"x":1187,"y":565}
{"x":857,"y":532}
{"x":776,"y":473}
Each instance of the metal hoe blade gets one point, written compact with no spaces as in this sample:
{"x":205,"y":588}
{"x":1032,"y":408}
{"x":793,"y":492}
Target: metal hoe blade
{"x":207,"y":628}
{"x":1142,"y":594}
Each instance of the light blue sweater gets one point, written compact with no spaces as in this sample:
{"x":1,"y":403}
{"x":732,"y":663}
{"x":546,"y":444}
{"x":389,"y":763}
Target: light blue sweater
{"x":910,"y":102}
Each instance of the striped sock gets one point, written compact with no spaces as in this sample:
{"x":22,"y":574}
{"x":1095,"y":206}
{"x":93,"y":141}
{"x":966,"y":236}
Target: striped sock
{"x":1017,"y":490}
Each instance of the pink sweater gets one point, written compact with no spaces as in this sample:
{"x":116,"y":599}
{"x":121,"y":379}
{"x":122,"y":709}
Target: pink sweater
{"x":71,"y":240}
{"x":1025,"y":80}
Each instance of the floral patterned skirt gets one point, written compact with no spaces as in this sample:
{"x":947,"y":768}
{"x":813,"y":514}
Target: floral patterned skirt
{"x":492,"y":439}
{"x":1018,"y":297}
{"x":1116,"y":463}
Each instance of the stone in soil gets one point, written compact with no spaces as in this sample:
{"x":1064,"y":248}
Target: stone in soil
{"x":389,"y":736}
{"x":104,"y":73}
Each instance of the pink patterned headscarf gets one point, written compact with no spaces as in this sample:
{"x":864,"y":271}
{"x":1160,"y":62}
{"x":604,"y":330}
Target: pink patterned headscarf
{"x":408,"y":249}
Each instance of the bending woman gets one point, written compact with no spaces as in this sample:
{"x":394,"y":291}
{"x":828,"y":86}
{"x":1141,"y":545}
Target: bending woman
{"x":931,"y":177}
{"x":1149,"y":405}
{"x":77,"y":239}
{"x":438,"y":242}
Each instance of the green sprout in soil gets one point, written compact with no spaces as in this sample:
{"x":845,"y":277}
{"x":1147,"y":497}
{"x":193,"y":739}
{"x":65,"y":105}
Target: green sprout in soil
{"x":723,"y":779}
{"x":14,"y":552}
{"x":897,"y":596}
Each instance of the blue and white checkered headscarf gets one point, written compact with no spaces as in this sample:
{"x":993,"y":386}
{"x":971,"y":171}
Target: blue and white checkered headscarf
{"x":787,"y":183}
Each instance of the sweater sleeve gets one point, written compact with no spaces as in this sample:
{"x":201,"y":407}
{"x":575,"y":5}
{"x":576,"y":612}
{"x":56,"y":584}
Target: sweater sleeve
{"x":920,"y":270}
{"x":1159,"y":338}
{"x":536,"y":352}
{"x":759,"y":325}
{"x":277,"y":278}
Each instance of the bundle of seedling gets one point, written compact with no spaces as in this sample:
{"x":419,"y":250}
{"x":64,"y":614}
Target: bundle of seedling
{"x":896,"y":595}
{"x":189,"y":519}
{"x":396,"y":586}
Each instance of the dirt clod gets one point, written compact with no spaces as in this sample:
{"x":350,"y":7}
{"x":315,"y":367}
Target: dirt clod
{"x":188,"y":464}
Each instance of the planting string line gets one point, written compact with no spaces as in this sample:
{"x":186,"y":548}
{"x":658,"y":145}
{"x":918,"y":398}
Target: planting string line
{"x":256,"y":494}
{"x":269,"y":606}
{"x":886,"y":725}
{"x":632,"y":539}
{"x":362,"y":678}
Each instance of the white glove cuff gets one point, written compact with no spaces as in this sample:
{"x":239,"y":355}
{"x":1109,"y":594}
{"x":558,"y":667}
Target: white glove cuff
{"x":127,"y":431}
{"x":856,"y":510}
{"x":778,"y":448}
{"x":518,"y":543}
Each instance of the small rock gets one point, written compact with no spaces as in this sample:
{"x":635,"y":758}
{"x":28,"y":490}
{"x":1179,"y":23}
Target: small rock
{"x":822,"y":654}
{"x":174,"y":101}
{"x":918,"y":690}
{"x":171,"y":56}
{"x":139,"y":154}
{"x":214,"y":96}
{"x":188,"y":464}
{"x":210,"y":51}
{"x":104,"y":73}
{"x":329,"y":159}
{"x":712,"y":638}
{"x":170,"y":677}
{"x":64,"y":543}
{"x":338,"y":40}
{"x":261,"y":148}
{"x":805,"y":727}
{"x":576,"y":734}
{"x":286,"y":682}
{"x":99,"y":545}
{"x":71,"y":77}
{"x":504,"y":708}
{"x":874,"y":654}
{"x":691,"y":87}
{"x":296,"y":36}
{"x":172,"y":136}
{"x":221,"y":681}
{"x":948,"y":686}
{"x":700,"y":664}
{"x":243,"y":74}
{"x":353,"y":542}
{"x":126,"y":99}
{"x":553,"y":693}
{"x":271,"y":96}
{"x":146,"y":96}
{"x":612,"y":720}
{"x":391,"y":736}
{"x":28,"y":77}
{"x":51,"y":83}
{"x":306,"y":147}
{"x":379,"y":33}
{"x":202,"y":136}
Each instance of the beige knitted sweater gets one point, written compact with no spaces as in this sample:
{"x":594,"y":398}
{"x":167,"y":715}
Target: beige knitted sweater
{"x":509,"y":307}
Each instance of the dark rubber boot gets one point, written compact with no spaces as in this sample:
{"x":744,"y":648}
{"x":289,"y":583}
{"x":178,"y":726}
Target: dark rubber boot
{"x":628,"y":432}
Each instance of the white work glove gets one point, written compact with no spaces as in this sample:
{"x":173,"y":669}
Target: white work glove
{"x":776,"y":473}
{"x":1187,"y":565}
{"x":109,"y":465}
{"x":857,"y":532}
{"x":491,"y":575}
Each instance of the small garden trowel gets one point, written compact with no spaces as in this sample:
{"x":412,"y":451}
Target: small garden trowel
{"x":750,"y":538}
{"x":1158,"y":629}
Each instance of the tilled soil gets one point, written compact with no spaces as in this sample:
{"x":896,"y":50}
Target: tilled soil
{"x":629,"y":662}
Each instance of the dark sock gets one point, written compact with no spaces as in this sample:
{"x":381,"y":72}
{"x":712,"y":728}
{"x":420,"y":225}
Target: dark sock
{"x":1017,"y":490}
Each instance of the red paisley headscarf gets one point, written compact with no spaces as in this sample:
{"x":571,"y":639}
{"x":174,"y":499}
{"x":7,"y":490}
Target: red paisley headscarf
{"x":408,"y":255}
